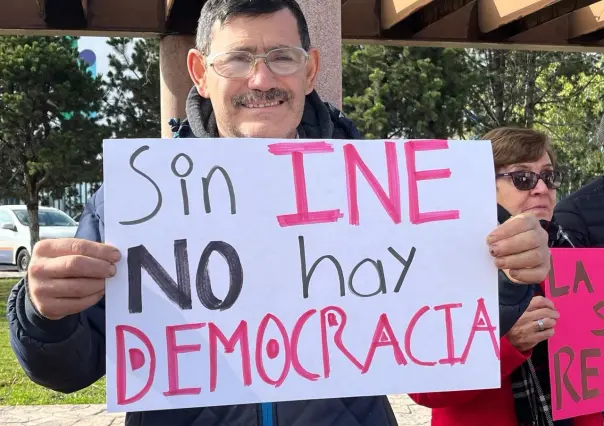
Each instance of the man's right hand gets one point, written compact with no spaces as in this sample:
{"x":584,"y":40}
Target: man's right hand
{"x":67,"y":275}
{"x":526,"y":333}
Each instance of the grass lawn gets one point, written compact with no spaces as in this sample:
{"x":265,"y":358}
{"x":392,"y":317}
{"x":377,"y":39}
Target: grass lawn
{"x":15,"y":386}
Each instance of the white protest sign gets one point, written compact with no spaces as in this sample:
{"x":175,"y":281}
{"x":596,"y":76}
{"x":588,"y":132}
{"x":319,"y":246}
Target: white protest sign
{"x":261,"y":270}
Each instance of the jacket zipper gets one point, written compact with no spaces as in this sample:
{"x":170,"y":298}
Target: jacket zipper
{"x":267,"y":414}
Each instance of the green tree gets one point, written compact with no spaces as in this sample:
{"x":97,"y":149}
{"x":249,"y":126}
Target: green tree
{"x":133,"y":86}
{"x":406,"y":92}
{"x":429,"y":92}
{"x":557,"y":92}
{"x":515,"y":87}
{"x":573,"y":127}
{"x":41,"y":147}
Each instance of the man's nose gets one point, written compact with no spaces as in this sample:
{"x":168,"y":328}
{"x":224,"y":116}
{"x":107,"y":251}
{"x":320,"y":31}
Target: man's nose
{"x":262,"y":77}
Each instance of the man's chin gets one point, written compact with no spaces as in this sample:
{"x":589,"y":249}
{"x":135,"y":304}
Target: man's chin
{"x":267,"y":130}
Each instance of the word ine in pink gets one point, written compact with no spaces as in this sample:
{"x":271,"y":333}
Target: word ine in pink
{"x":391,"y":201}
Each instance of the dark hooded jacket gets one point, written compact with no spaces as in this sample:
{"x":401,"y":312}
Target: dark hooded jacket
{"x":69,"y":354}
{"x":582,"y":213}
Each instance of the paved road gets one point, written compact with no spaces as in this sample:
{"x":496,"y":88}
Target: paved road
{"x":407,"y":414}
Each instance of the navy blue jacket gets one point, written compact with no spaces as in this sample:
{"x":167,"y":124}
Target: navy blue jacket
{"x":582,"y":214}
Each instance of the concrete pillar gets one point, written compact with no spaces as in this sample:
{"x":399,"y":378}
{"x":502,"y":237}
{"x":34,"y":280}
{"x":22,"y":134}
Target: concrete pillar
{"x":325,"y":26}
{"x":175,"y":81}
{"x":324,"y":19}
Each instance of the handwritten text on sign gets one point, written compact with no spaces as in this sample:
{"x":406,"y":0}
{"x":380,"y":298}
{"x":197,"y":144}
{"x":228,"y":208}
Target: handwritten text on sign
{"x":576,"y":351}
{"x":263,"y":270}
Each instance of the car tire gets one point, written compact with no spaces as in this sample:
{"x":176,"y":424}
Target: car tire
{"x":23,"y":260}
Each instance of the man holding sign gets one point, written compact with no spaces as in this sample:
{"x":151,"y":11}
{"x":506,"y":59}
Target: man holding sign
{"x":254,"y":72}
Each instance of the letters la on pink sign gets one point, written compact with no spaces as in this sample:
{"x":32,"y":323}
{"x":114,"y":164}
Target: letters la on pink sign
{"x":576,"y":351}
{"x":265,"y":270}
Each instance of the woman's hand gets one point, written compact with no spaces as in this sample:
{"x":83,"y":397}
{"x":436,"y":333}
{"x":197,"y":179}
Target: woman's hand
{"x":535,"y":325}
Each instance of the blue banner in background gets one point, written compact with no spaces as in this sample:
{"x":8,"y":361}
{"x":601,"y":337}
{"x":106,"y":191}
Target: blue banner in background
{"x":89,"y":57}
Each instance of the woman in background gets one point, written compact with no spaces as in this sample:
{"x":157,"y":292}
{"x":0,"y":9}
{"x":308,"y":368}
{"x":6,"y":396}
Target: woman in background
{"x":527,"y":180}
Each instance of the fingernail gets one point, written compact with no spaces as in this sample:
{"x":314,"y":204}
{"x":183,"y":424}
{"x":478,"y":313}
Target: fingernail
{"x":493,"y":250}
{"x":112,"y":270}
{"x":500,"y":263}
{"x":115,"y":255}
{"x":514,"y":273}
{"x":491,"y":239}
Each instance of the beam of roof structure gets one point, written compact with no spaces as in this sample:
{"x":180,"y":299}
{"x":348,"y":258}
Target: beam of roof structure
{"x":493,"y":14}
{"x":182,"y":15}
{"x":27,"y":15}
{"x":418,"y":15}
{"x":105,"y":18}
{"x":361,"y":18}
{"x":169,"y":5}
{"x":564,"y":25}
{"x":528,"y":20}
{"x":64,"y":14}
{"x":394,"y":11}
{"x":587,"y":24}
{"x":142,"y":17}
{"x":456,"y":26}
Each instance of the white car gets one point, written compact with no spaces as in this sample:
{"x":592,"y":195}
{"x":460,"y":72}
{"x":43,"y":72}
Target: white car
{"x":15,"y":247}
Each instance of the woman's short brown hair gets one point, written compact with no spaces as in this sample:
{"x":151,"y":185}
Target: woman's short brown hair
{"x":513,"y":145}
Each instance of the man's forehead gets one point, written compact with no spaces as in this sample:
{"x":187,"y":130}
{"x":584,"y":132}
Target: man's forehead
{"x":255,"y":34}
{"x":246,"y":47}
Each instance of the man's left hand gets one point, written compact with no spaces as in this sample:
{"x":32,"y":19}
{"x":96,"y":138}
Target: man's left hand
{"x":520,"y":248}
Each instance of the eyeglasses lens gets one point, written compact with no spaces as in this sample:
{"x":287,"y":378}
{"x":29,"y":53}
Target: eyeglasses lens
{"x":282,"y":62}
{"x":526,"y":181}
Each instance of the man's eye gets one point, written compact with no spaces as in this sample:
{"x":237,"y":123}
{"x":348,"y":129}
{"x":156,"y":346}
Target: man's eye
{"x":238,"y":58}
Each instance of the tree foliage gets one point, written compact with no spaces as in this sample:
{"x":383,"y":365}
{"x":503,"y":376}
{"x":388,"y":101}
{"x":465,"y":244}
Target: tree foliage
{"x":405,"y":92}
{"x":133,"y":84}
{"x":463,"y":93}
{"x":573,"y":125}
{"x":48,"y":139}
{"x":517,"y":87}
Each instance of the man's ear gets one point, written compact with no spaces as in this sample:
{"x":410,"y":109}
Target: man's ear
{"x":197,"y":71}
{"x":312,"y":69}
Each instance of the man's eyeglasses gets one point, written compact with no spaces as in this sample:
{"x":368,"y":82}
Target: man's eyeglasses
{"x":525,"y":180}
{"x":282,"y":61}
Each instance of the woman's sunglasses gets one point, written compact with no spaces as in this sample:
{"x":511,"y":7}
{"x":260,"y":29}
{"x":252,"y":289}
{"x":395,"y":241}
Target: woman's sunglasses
{"x":525,"y":181}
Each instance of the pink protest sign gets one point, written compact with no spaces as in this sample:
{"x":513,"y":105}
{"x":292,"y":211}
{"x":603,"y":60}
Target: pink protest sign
{"x":576,"y":351}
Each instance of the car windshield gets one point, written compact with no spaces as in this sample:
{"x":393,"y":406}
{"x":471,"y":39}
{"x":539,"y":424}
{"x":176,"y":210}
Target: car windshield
{"x":46,"y":218}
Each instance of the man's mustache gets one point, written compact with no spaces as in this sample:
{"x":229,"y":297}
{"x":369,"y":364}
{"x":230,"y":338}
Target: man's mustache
{"x":258,"y":96}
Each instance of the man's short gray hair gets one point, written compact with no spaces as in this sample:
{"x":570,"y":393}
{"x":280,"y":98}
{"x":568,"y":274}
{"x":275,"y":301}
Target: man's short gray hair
{"x":222,"y":10}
